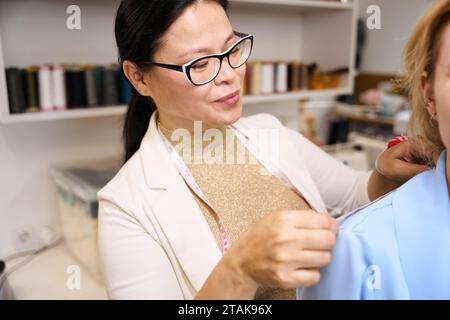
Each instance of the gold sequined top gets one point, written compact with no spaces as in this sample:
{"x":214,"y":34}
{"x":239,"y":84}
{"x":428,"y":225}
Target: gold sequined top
{"x":242,"y":192}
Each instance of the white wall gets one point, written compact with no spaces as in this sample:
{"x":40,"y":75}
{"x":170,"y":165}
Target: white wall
{"x":384,"y":48}
{"x":28,"y":150}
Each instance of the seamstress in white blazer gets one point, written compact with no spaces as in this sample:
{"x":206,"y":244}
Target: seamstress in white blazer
{"x":169,"y":229}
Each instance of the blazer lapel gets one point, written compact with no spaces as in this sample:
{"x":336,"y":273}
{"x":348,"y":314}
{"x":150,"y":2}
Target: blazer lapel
{"x":177,"y":212}
{"x":292,"y":166}
{"x":422,"y":222}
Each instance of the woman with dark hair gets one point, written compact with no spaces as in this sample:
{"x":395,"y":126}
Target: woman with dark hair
{"x":173,"y":228}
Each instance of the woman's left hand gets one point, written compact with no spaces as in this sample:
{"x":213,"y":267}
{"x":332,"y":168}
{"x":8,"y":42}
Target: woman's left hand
{"x":394,"y":167}
{"x":396,"y":163}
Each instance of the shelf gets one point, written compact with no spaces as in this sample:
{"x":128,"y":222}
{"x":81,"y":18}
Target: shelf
{"x":355,"y":115}
{"x":120,"y":109}
{"x":305,"y":94}
{"x":336,"y":27}
{"x":298,"y":5}
{"x":66,"y":114}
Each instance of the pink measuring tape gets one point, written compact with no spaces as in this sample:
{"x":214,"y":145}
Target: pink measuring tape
{"x":190,"y":181}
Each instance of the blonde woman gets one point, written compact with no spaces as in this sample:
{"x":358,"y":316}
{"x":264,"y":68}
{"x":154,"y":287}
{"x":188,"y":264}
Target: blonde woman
{"x":399,"y":246}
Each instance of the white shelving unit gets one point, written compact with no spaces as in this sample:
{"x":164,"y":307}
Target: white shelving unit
{"x":120,"y":109}
{"x":300,"y":5}
{"x":311,"y":31}
{"x":106,"y":111}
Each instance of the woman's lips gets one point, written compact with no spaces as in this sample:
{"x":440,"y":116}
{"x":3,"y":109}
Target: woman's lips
{"x":230,"y":99}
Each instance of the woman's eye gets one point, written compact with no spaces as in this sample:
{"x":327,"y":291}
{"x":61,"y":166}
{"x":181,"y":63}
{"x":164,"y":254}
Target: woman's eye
{"x":199,"y":66}
{"x":236,"y":50}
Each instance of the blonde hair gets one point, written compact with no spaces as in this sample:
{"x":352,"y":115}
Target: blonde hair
{"x":421,"y":54}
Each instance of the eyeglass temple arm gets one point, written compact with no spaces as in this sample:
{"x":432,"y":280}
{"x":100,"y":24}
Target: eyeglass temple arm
{"x":167,"y":66}
{"x":240,"y":34}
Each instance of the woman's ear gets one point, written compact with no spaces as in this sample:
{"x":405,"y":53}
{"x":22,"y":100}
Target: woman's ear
{"x":427,"y":93}
{"x":135,"y":75}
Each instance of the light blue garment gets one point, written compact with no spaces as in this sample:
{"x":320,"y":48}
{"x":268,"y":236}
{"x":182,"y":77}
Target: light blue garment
{"x":396,"y":248}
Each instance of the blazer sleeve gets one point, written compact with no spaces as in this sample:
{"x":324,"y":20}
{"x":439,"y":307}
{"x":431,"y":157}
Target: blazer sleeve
{"x":342,"y":188}
{"x":347,"y":275}
{"x":134,"y":265}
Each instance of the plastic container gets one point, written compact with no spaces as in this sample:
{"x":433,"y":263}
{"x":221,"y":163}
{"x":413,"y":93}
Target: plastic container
{"x":76,"y":190}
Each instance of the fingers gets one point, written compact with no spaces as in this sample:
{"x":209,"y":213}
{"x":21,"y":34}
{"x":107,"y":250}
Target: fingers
{"x":323,"y":240}
{"x":313,"y":220}
{"x":403,"y":171}
{"x":308,"y":259}
{"x":405,"y":149}
{"x":396,"y":164}
{"x":303,"y":278}
{"x":411,"y":152}
{"x":305,"y":271}
{"x":410,"y":170}
{"x":410,"y":149}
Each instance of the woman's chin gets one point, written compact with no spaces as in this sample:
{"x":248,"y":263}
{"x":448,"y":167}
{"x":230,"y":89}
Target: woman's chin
{"x":227,"y":116}
{"x":233,"y":116}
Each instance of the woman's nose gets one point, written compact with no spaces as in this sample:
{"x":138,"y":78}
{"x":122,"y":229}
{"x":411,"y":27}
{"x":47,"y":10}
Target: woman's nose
{"x":226,"y":72}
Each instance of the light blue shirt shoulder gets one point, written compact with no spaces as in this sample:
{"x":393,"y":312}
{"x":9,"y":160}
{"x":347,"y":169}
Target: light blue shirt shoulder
{"x":365,"y":245}
{"x":395,"y":248}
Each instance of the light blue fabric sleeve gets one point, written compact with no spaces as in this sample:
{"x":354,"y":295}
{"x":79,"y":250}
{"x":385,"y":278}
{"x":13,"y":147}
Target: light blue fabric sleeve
{"x":344,"y":278}
{"x":365,"y":261}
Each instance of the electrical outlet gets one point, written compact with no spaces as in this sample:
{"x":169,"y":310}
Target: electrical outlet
{"x":48,"y":235}
{"x":26,"y":238}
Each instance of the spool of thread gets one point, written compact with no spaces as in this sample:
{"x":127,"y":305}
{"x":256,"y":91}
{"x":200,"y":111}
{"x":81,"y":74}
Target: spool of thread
{"x":267,"y":78}
{"x":99,"y":71}
{"x":281,"y":77}
{"x":45,"y":88}
{"x":32,"y":88}
{"x":16,"y":90}
{"x":59,"y":88}
{"x":304,"y":77}
{"x":248,"y":79}
{"x":110,"y":86}
{"x":294,"y":76}
{"x":76,"y":87}
{"x":256,"y":78}
{"x":91,"y":88}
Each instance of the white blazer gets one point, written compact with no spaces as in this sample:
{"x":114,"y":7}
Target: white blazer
{"x":154,"y":241}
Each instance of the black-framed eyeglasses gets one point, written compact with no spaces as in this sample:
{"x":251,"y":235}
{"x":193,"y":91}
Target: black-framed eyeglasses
{"x":205,"y":69}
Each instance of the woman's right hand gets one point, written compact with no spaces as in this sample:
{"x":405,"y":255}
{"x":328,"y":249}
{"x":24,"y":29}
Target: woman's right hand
{"x":285,"y":249}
